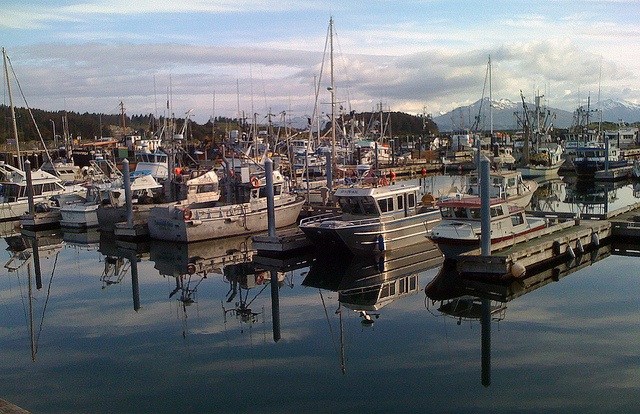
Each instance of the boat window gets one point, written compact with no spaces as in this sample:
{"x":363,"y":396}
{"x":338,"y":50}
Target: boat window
{"x":496,"y":211}
{"x":386,"y":204}
{"x":460,"y":212}
{"x":206,"y":188}
{"x":413,"y":282}
{"x":511,"y":182}
{"x":411,"y":200}
{"x":446,"y":212}
{"x":403,"y":285}
{"x":369,"y":205}
{"x":400,"y":202}
{"x":517,"y":219}
{"x":350,"y":205}
{"x":37,"y":189}
{"x":475,"y":213}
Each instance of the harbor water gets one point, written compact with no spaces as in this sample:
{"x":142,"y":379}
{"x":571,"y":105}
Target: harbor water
{"x":91,"y":325}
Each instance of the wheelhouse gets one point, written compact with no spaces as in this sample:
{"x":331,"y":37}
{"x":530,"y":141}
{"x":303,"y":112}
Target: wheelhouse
{"x":394,"y":201}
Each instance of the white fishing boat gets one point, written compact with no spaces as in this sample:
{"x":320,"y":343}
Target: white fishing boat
{"x":13,"y":190}
{"x":508,"y":186}
{"x":246,"y":214}
{"x":47,"y":213}
{"x":202,"y":188}
{"x":460,"y":228}
{"x":85,"y":215}
{"x":373,"y":219}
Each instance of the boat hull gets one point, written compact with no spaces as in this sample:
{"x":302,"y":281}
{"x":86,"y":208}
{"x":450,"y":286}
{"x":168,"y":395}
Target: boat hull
{"x":372,"y":236}
{"x":168,"y":223}
{"x":452,"y":247}
{"x":539,"y":171}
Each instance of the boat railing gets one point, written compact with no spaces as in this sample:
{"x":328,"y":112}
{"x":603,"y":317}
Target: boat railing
{"x":364,"y":221}
{"x":317,"y":218}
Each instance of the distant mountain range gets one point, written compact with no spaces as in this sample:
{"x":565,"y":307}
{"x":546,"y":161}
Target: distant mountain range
{"x":504,"y":117}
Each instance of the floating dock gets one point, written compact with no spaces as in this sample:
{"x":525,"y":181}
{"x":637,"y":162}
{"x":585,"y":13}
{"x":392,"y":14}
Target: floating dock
{"x":286,"y":240}
{"x":563,"y":241}
{"x":614,"y":174}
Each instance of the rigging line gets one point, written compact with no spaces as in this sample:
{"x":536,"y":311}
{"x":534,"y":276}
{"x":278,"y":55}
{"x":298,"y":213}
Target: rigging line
{"x":29,"y":109}
{"x":44,"y":308}
{"x":348,"y":80}
{"x":254,"y":298}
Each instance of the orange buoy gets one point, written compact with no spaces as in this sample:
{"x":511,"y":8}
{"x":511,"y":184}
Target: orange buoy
{"x":255,"y":182}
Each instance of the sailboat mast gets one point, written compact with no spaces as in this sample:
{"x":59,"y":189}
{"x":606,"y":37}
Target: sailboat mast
{"x":333,"y":102}
{"x":13,"y":113}
{"x":490,"y":104}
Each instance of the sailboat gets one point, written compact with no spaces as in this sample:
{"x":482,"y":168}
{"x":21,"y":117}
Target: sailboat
{"x":13,"y":180}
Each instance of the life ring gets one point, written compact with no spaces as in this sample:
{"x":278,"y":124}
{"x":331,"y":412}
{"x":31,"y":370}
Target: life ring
{"x":187,"y":214}
{"x":255,"y":182}
{"x":191,"y":268}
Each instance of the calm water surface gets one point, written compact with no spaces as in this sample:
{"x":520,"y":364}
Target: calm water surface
{"x":124,"y":328}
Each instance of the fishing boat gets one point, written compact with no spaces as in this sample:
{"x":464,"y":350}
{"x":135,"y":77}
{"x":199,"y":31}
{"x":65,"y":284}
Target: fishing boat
{"x":460,"y":228}
{"x":200,"y":187}
{"x":244,"y":210}
{"x":540,"y":155}
{"x":593,"y":156}
{"x":373,"y":219}
{"x":47,"y":213}
{"x":13,"y":190}
{"x":509,"y":186}
{"x":85,"y":215}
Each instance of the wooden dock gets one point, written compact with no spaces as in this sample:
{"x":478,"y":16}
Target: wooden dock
{"x":614,"y":174}
{"x":513,"y":257}
{"x":566,"y":240}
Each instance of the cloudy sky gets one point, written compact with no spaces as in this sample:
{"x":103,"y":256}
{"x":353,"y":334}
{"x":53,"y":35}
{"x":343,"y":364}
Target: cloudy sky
{"x":264,"y":56}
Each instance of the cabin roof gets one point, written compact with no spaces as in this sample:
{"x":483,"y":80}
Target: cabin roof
{"x":467,"y":202}
{"x":376,"y":192}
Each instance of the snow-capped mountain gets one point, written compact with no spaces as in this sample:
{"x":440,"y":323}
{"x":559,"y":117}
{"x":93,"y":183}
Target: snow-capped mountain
{"x":504,"y":115}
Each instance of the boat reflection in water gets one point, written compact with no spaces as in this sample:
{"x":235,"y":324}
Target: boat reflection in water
{"x":26,"y":251}
{"x":485,"y":299}
{"x":367,"y":284}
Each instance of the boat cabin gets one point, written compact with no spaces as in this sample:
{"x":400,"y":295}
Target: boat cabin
{"x":13,"y":184}
{"x":470,"y":210}
{"x":503,"y":184}
{"x":394,"y":201}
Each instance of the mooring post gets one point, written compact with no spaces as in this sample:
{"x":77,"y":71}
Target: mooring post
{"x":271,"y":214}
{"x":485,"y":236}
{"x":127,"y":192}
{"x":485,"y":207}
{"x":27,"y":170}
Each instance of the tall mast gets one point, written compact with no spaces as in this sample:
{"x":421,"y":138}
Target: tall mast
{"x":490,"y":103}
{"x":333,"y":102}
{"x":13,"y":113}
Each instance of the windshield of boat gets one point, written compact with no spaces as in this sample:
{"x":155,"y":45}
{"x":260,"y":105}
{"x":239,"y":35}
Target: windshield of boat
{"x":358,"y":205}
